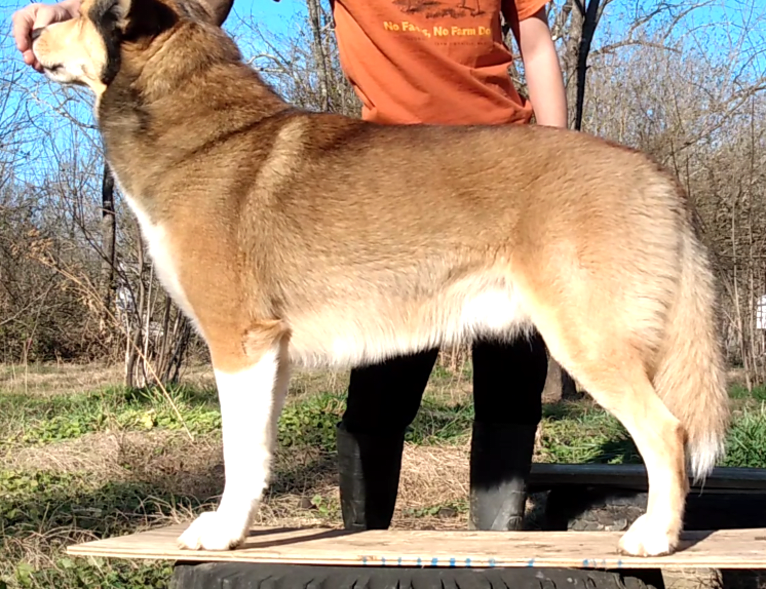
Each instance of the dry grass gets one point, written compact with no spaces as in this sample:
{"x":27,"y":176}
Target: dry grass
{"x":691,"y":579}
{"x":93,"y":453}
{"x":433,"y":475}
{"x":48,"y":379}
{"x":433,"y":479}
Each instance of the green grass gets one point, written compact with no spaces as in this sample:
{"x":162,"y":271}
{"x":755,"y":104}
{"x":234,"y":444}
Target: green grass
{"x":578,"y":432}
{"x":746,"y":443}
{"x":586,"y":434}
{"x":43,"y":511}
{"x":43,"y":508}
{"x":29,"y":420}
{"x":443,"y":509}
{"x":740,"y":392}
{"x":573,"y":432}
{"x":311,"y":421}
{"x":67,"y":572}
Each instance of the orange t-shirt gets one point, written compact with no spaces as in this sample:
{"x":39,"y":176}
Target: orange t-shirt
{"x":431,"y":61}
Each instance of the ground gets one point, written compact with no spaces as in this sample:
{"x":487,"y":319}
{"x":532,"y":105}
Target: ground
{"x":84,"y":458}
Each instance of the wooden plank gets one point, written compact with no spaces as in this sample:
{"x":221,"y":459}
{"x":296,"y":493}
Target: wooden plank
{"x":633,"y":476}
{"x":727,"y":549}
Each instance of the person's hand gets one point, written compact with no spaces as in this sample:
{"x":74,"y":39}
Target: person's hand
{"x":36,"y":16}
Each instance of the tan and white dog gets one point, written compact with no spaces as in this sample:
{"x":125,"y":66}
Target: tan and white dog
{"x":295,"y":237}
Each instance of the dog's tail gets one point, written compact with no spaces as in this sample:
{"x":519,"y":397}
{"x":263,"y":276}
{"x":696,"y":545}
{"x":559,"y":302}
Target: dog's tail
{"x":690,"y":375}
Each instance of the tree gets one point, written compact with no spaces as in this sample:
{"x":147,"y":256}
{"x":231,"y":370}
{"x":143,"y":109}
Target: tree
{"x":108,"y":242}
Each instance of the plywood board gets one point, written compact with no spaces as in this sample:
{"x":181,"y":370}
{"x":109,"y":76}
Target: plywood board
{"x":717,"y":549}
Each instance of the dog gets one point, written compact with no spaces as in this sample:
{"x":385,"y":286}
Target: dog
{"x":298,"y":238}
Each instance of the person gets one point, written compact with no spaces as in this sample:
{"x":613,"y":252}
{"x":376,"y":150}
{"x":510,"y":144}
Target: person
{"x":442,"y":63}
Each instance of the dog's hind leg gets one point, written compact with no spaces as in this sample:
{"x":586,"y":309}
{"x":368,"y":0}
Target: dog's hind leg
{"x":621,"y":385}
{"x":251,"y":398}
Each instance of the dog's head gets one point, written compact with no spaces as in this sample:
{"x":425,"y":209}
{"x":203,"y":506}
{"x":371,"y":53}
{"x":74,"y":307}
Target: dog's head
{"x":88,"y":50}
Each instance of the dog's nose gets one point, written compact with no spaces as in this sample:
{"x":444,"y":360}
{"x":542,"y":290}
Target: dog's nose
{"x":36,"y":33}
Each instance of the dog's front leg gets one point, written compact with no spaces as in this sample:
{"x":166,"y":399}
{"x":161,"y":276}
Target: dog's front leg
{"x":251,"y":400}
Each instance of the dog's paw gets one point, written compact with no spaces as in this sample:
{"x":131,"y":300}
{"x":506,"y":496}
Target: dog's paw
{"x":214,"y":530}
{"x":645,"y":538}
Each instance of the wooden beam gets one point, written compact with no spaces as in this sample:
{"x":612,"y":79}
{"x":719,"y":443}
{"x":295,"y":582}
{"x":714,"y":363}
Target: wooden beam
{"x":726,"y":549}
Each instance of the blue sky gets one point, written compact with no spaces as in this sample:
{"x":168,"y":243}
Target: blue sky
{"x":713,"y":21}
{"x":273,"y":16}
{"x":719,"y":18}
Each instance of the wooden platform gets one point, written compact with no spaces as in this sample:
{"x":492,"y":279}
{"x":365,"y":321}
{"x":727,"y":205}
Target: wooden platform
{"x":724,"y":549}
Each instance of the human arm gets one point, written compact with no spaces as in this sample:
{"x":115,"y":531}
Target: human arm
{"x":542,"y":70}
{"x":35,"y":16}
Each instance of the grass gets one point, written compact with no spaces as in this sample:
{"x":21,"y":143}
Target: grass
{"x":82,"y":458}
{"x":28,"y":419}
{"x":740,"y":393}
{"x":581,"y":432}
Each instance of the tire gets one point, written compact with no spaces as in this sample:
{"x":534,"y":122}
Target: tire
{"x":580,"y":508}
{"x":592,"y":509}
{"x":267,"y":576}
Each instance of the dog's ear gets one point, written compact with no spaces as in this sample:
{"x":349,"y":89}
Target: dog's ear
{"x":147,"y":18}
{"x":132,"y":20}
{"x":109,"y":15}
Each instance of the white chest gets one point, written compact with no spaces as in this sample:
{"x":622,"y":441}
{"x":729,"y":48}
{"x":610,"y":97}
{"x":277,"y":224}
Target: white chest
{"x":163,"y":255}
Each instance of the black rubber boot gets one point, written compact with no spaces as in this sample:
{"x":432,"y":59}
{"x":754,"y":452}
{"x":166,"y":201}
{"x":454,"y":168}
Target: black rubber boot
{"x":369,"y":467}
{"x":501,"y":456}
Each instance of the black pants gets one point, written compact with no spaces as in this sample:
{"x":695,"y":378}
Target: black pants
{"x":508,"y":381}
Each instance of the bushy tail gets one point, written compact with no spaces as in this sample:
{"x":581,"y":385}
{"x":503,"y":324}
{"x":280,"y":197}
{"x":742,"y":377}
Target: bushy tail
{"x":690,"y":376}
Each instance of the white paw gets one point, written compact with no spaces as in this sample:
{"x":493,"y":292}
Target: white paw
{"x":215,"y":530}
{"x":645,"y":538}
